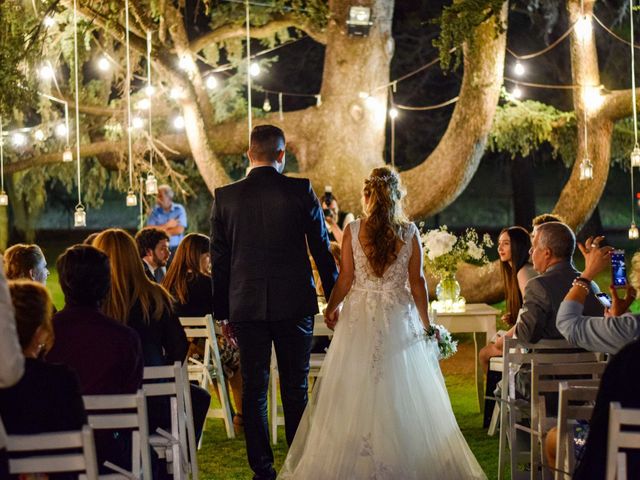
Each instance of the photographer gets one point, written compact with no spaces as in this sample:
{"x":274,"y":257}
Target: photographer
{"x":606,"y":334}
{"x":336,"y":219}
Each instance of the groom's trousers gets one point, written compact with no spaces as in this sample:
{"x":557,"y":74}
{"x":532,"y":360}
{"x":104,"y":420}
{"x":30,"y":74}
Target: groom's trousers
{"x":292,"y":342}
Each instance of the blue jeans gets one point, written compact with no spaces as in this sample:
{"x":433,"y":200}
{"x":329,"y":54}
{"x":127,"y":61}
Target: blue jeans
{"x":292,"y":342}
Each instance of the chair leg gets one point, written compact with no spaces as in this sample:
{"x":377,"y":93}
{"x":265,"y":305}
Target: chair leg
{"x":494,"y":420}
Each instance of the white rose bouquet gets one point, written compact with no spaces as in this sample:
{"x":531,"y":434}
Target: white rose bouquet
{"x":447,"y":346}
{"x":443,"y":250}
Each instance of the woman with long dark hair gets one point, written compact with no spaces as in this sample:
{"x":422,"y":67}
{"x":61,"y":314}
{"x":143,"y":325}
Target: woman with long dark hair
{"x":380,"y":407}
{"x":189,"y":281}
{"x":514,"y":244}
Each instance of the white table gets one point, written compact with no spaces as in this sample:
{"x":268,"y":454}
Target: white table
{"x":479,"y":319}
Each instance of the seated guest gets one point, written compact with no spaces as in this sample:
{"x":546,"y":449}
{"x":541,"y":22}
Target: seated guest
{"x":153,"y":245}
{"x":552,"y":249}
{"x":24,"y":261}
{"x":545,"y":218}
{"x":106,"y":355}
{"x":189,"y":281}
{"x":514,"y":244}
{"x":619,"y":384}
{"x":145,"y":306}
{"x":47,"y":397}
{"x":606,"y":334}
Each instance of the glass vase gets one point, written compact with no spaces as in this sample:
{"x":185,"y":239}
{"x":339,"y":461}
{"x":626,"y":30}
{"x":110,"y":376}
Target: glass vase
{"x":448,"y":289}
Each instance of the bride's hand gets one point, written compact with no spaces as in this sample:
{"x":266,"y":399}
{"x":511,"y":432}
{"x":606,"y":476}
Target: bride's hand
{"x":331,"y":318}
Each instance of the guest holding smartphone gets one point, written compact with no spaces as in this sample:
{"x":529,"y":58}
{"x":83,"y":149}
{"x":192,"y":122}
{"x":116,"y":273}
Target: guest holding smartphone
{"x":618,"y":326}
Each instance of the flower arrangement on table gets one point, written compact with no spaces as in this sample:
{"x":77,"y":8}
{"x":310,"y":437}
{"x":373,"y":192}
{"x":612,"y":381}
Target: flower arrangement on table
{"x":443,"y":252}
{"x":447,"y":346}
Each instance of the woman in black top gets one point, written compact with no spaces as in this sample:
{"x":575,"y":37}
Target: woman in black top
{"x":189,"y":281}
{"x":47,"y":397}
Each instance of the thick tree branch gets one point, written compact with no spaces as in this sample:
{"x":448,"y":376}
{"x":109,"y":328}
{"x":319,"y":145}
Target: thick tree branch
{"x":619,"y":104}
{"x":279,"y":22}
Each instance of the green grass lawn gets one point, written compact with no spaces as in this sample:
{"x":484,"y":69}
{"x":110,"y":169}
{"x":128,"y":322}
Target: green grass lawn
{"x":222,"y":459}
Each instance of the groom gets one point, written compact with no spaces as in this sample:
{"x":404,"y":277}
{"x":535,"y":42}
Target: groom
{"x":263,"y":290}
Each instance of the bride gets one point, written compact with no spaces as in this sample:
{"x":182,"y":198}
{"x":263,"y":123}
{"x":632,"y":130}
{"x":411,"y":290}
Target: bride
{"x":380,"y":408}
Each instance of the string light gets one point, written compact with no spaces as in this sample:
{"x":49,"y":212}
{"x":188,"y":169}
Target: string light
{"x":143,"y":104}
{"x":48,"y":21}
{"x":592,"y":97}
{"x":393,"y":113}
{"x":137,"y":123}
{"x":211,"y":82}
{"x":38,"y":135}
{"x":187,"y":64}
{"x":80,"y":215}
{"x":4,"y":198}
{"x":584,"y":28}
{"x":178,"y":122}
{"x":104,"y":65}
{"x":254,"y":69}
{"x":19,"y":139}
{"x":516,"y":92}
{"x":519,"y":69}
{"x":176,"y":93}
{"x":46,"y":72}
{"x":61,"y":130}
{"x":150,"y":90}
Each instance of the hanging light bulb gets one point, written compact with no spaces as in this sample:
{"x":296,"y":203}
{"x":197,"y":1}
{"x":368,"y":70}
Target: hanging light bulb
{"x":586,"y":169}
{"x":592,"y":97}
{"x":132,"y":199}
{"x":176,"y":93}
{"x":584,"y":28}
{"x":186,"y":63}
{"x":633,"y":231}
{"x":48,"y":21}
{"x":635,"y":156}
{"x":211,"y":82}
{"x":19,"y":139}
{"x":178,"y":122}
{"x":143,"y":104}
{"x":4,"y":198}
{"x":516,"y":92}
{"x":137,"y":122}
{"x":61,"y":130}
{"x":519,"y":69}
{"x":151,"y":184}
{"x":46,"y":72}
{"x":393,"y":112}
{"x":38,"y":135}
{"x":104,"y":65}
{"x":150,"y":90}
{"x":67,"y":156}
{"x":254,"y":69}
{"x":80,"y":216}
{"x":266,"y":106}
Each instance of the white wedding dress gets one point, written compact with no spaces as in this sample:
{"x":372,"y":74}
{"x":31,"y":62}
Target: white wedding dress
{"x":380,"y":408}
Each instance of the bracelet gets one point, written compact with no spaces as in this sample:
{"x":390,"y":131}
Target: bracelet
{"x":583,"y":279}
{"x":579,"y":283}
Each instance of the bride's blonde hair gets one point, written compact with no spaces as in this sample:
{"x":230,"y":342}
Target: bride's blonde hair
{"x":385,"y":217}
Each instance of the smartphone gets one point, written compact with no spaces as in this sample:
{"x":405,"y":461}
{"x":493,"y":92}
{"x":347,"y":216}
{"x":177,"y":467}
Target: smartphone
{"x":618,"y":269}
{"x":604,"y":299}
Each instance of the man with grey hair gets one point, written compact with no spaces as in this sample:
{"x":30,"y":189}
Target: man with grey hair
{"x":551,"y":252}
{"x":168,"y":216}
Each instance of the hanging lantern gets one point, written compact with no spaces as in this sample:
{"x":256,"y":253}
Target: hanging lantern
{"x":266,"y":106}
{"x":67,"y":156}
{"x":586,"y":169}
{"x":4,"y":198}
{"x":132,"y":200}
{"x":80,"y":217}
{"x":151,"y":184}
{"x":633,"y":232}
{"x":635,"y":156}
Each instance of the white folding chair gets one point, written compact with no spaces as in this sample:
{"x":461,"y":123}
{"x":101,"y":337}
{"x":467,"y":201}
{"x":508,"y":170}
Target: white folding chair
{"x":621,"y":439}
{"x":515,"y":354}
{"x":201,"y":371}
{"x":545,"y":380}
{"x":49,"y":453}
{"x":178,"y":446}
{"x":576,"y":400}
{"x":119,"y":412}
{"x":495,"y":365}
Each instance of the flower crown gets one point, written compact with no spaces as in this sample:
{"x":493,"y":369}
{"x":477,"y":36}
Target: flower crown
{"x":381,"y":180}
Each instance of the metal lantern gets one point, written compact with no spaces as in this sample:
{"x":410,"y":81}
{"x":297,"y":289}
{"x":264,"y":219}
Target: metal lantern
{"x":586,"y":169}
{"x":635,"y":156}
{"x":4,"y":198}
{"x":67,"y":156}
{"x":80,"y":217}
{"x":151,"y":184}
{"x":633,"y":232}
{"x":132,"y":200}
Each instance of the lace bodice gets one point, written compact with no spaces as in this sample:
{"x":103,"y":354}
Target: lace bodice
{"x":396,"y":275}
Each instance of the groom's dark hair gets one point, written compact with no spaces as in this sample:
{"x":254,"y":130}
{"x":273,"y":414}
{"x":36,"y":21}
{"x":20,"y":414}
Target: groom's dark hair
{"x":265,"y":141}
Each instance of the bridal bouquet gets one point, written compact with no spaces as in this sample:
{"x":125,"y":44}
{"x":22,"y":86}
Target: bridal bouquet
{"x":447,"y":346}
{"x":444,"y":250}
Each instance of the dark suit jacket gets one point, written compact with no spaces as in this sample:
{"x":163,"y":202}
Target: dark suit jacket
{"x":542,"y":297}
{"x":200,"y":298}
{"x":106,"y":356}
{"x":260,"y":229}
{"x":46,"y":399}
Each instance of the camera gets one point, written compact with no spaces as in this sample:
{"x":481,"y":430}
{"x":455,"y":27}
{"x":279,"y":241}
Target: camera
{"x":327,"y":196}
